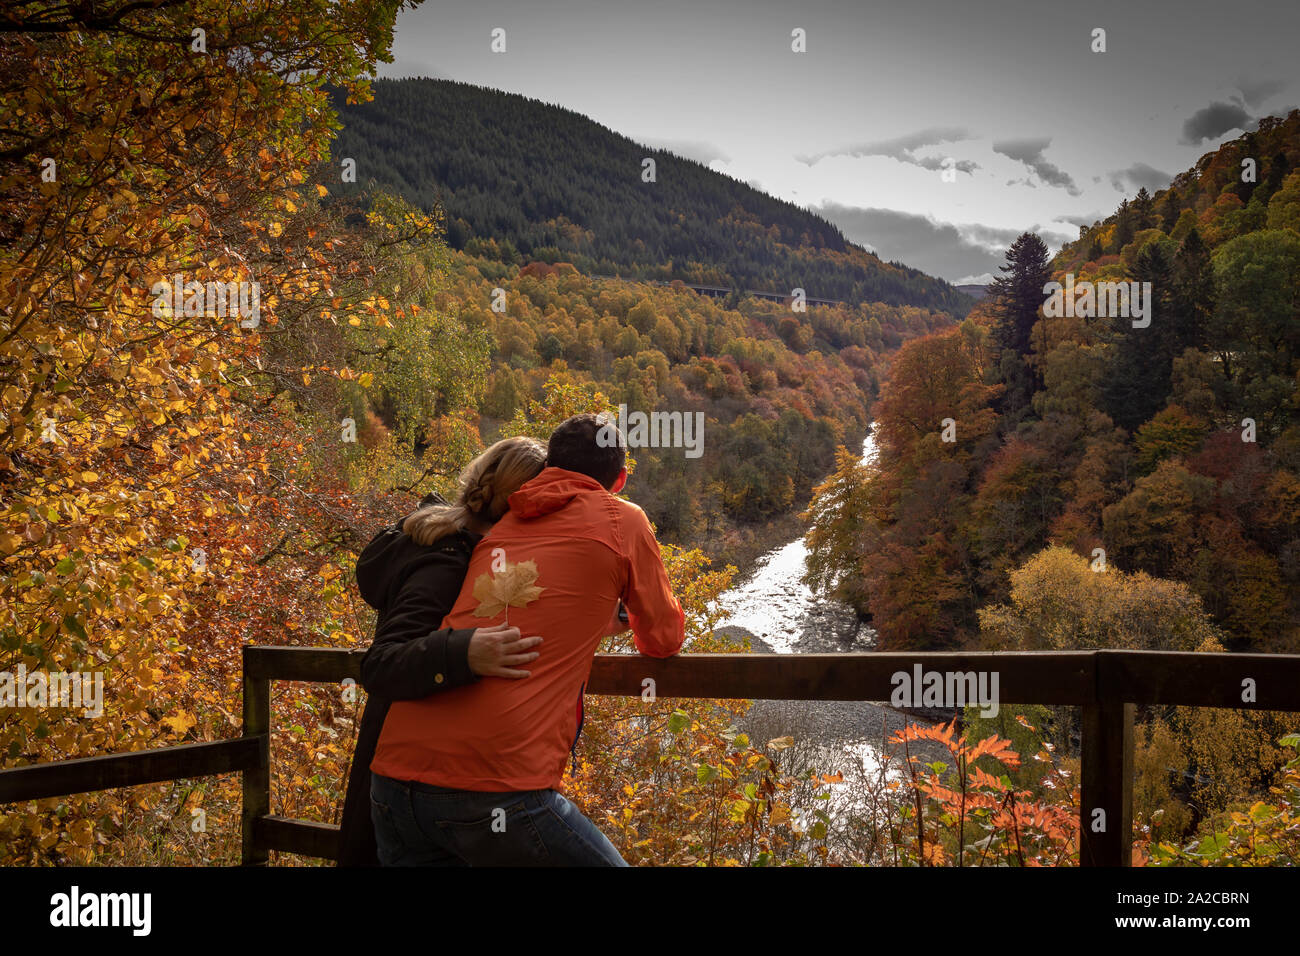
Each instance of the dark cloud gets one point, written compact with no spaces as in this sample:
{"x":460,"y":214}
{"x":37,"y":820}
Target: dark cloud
{"x":1083,"y":220}
{"x":903,"y":149}
{"x":1030,"y":152}
{"x":1213,"y":121}
{"x":938,"y":248}
{"x":1138,"y":175}
{"x":1256,"y":92}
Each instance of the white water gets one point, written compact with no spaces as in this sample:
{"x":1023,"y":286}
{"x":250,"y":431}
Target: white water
{"x":774,"y":604}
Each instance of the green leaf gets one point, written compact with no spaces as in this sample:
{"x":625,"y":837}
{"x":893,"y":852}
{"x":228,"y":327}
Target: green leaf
{"x":66,"y":566}
{"x":678,"y":721}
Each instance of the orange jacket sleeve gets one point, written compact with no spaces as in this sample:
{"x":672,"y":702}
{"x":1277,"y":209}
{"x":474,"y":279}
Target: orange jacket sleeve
{"x":658,"y":624}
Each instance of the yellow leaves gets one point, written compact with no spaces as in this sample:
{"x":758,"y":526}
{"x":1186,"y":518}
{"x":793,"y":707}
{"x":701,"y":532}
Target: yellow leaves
{"x":9,"y":543}
{"x":511,"y":587}
{"x":275,"y":229}
{"x":82,"y":833}
{"x":179,"y":722}
{"x":321,"y":190}
{"x":780,"y":743}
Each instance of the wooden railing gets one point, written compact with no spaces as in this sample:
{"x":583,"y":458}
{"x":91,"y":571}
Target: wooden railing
{"x":1106,"y":685}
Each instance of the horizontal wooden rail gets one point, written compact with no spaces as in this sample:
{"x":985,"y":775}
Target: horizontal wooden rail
{"x":303,"y":837}
{"x":1191,"y":679}
{"x":1024,"y":677}
{"x":87,"y":774}
{"x":1054,"y":677}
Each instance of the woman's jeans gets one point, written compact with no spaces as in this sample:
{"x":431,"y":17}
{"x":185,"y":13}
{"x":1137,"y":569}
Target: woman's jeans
{"x":420,"y":825}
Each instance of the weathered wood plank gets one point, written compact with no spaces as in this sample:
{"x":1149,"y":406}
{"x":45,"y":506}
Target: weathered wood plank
{"x":1053,"y":677}
{"x":134,"y":769}
{"x":256,"y":784}
{"x":303,"y":837}
{"x":1205,"y":680}
{"x":1106,"y":791}
{"x":327,"y":665}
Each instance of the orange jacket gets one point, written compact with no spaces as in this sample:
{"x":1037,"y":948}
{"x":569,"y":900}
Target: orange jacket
{"x":500,"y":734}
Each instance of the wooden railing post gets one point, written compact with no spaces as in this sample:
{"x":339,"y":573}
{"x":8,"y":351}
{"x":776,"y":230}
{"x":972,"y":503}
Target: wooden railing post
{"x":256,"y":782}
{"x":1106,"y":755}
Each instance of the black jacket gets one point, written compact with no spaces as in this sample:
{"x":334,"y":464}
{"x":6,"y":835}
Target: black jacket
{"x":412,"y":587}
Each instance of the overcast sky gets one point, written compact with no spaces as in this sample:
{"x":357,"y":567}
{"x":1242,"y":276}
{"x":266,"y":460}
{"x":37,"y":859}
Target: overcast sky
{"x":1045,"y":133}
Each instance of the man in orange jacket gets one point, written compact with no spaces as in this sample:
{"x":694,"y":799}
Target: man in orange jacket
{"x":471,"y":776}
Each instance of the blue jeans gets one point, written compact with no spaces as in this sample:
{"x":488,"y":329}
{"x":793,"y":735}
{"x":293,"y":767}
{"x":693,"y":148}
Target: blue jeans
{"x":420,"y":825}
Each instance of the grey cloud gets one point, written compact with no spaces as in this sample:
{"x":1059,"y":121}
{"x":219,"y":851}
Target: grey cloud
{"x":1030,"y":152}
{"x":1083,"y":220}
{"x":1138,"y":175}
{"x":903,"y":149}
{"x":938,"y":248}
{"x":1256,"y":92}
{"x":1213,"y":121}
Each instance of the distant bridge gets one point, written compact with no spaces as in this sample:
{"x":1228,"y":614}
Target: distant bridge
{"x":721,"y":292}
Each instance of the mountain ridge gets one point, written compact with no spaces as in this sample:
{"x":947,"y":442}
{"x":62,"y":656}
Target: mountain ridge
{"x":523,"y":180}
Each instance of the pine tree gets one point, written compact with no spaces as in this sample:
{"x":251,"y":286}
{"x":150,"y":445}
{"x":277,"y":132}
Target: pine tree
{"x":1018,"y":296}
{"x":1193,"y":291}
{"x":1123,"y":225}
{"x":1019,"y":293}
{"x":1142,"y":209}
{"x":1138,"y":379}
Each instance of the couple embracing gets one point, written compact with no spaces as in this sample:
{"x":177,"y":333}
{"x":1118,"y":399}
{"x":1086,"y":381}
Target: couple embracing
{"x":461,"y":749}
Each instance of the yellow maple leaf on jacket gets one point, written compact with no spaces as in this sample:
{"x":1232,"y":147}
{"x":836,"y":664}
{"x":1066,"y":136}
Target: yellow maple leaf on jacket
{"x":512,"y":586}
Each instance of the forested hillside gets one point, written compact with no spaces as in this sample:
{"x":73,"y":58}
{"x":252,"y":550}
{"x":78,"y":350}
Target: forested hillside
{"x":1083,"y":480}
{"x":521,"y":181}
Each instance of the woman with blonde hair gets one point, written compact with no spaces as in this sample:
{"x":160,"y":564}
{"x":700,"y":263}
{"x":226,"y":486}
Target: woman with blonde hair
{"x":411,"y":574}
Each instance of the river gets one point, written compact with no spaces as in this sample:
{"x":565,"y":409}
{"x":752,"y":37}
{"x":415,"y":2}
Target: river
{"x":773,"y":604}
{"x":782,"y":615}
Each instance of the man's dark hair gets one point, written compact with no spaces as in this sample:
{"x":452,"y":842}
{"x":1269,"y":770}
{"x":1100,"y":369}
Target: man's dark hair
{"x":589,"y":444}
